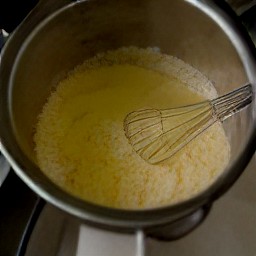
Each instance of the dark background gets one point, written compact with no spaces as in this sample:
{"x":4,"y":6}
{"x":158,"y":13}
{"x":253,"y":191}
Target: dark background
{"x":12,"y":12}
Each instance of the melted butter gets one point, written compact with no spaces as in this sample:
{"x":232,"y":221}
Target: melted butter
{"x":81,"y":146}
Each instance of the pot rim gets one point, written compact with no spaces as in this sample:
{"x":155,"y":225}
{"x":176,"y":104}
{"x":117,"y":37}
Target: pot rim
{"x":127,"y":219}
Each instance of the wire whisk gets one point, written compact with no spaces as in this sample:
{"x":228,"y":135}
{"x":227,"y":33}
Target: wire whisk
{"x":156,"y":135}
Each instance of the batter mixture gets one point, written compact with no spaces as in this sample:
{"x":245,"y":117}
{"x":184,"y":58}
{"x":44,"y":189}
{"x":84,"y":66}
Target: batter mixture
{"x":80,"y":141}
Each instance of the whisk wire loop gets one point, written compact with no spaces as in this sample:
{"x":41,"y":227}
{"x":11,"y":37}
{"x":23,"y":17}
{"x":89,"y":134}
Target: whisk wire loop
{"x":157,"y":134}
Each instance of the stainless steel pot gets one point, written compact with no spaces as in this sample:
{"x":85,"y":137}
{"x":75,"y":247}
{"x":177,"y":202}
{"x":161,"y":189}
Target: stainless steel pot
{"x":59,"y":35}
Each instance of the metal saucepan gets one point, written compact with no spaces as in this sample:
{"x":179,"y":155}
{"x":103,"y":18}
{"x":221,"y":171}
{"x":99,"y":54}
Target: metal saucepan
{"x":58,"y":35}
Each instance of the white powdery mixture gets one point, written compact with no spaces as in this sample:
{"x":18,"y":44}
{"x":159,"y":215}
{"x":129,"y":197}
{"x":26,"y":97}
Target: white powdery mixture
{"x":80,"y":142}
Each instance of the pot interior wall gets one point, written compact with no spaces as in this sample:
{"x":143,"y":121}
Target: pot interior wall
{"x":84,"y":29}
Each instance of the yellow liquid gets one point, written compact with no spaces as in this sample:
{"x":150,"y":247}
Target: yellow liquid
{"x":81,"y":146}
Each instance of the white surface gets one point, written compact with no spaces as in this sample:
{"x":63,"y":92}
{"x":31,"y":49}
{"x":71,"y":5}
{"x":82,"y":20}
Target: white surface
{"x":94,"y":242}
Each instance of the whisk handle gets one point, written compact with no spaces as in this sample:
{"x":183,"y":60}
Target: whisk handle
{"x":231,"y":103}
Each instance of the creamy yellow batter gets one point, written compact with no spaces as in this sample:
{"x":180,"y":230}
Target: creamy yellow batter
{"x":81,"y":145}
